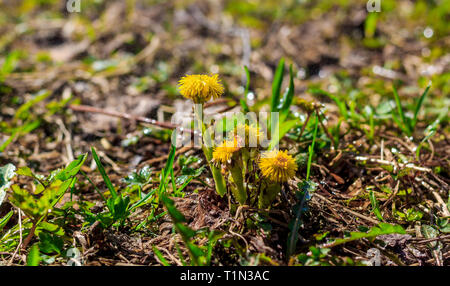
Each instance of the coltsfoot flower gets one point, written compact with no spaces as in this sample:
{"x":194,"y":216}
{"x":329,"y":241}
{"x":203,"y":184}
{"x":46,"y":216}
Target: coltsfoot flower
{"x":200,"y":88}
{"x":277,"y":166}
{"x":222,"y":154}
{"x":252,"y":134}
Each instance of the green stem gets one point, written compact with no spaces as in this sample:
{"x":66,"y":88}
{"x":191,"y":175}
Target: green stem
{"x":239,"y":192}
{"x":219,"y":180}
{"x":268,"y":194}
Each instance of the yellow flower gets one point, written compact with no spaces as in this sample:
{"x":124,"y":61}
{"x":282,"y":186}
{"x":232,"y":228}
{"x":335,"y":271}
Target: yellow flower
{"x":200,"y":88}
{"x":277,"y":166}
{"x":224,"y":152}
{"x":251,"y":132}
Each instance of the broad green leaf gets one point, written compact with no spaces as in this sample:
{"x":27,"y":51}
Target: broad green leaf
{"x":72,"y":169}
{"x":51,"y":228}
{"x":25,"y":171}
{"x":33,"y":257}
{"x":50,"y":243}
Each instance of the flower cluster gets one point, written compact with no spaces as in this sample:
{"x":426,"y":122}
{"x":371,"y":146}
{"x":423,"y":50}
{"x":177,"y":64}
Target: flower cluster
{"x":277,"y":166}
{"x":239,"y":157}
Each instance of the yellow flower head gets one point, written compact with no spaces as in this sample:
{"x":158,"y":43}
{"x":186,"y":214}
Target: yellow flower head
{"x":224,"y":152}
{"x":277,"y":166}
{"x":252,"y":134}
{"x":200,"y":88}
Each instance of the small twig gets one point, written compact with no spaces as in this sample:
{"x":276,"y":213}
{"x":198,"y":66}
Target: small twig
{"x":164,"y":157}
{"x":444,"y":256}
{"x":347,"y":210}
{"x":86,"y":108}
{"x":410,"y":149}
{"x":20,"y":238}
{"x":391,"y":197}
{"x":432,"y":150}
{"x":421,"y":240}
{"x":319,"y":113}
{"x":436,"y":195}
{"x":67,"y":139}
{"x":304,"y":126}
{"x":29,"y":236}
{"x":232,"y":225}
{"x":384,"y":162}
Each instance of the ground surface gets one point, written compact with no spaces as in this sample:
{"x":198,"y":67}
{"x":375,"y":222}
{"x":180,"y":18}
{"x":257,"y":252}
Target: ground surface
{"x":127,"y":56}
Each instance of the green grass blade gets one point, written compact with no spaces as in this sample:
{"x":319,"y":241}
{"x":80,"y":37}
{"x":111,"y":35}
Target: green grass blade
{"x":9,"y":64}
{"x":375,"y":208}
{"x":306,"y":187}
{"x":276,"y":86}
{"x":340,"y":103}
{"x":311,"y":148}
{"x":5,"y":220}
{"x":19,"y":131}
{"x":288,"y":97}
{"x":243,"y":102}
{"x":24,"y":108}
{"x":160,"y":257}
{"x":104,"y":175}
{"x":180,"y":254}
{"x":93,"y":185}
{"x":419,"y":105}
{"x":142,"y":201}
{"x":370,"y":25}
{"x":400,"y":111}
{"x":167,"y":169}
{"x":247,"y":85}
